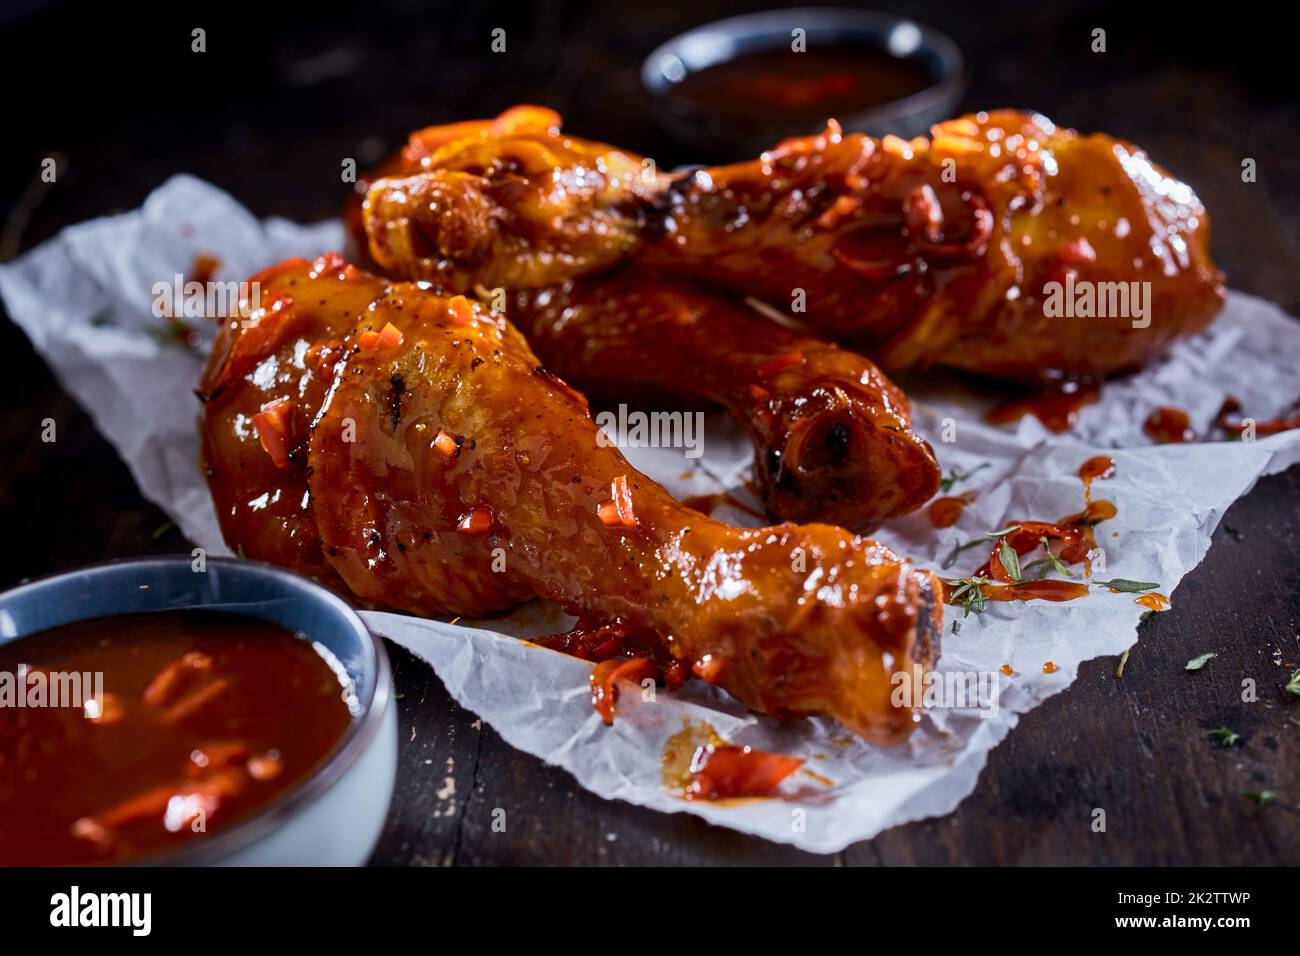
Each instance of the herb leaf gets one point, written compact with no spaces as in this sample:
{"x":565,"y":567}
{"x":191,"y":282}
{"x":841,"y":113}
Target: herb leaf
{"x":1223,"y":736}
{"x":946,"y":484}
{"x":1124,"y":584}
{"x":1042,"y":566}
{"x":1261,"y":797}
{"x":1123,"y":659}
{"x":1010,"y":529}
{"x":956,"y":550}
{"x":969,"y":593}
{"x":1199,"y":661}
{"x":1009,"y":560}
{"x":1293,"y":685}
{"x":1060,"y":566}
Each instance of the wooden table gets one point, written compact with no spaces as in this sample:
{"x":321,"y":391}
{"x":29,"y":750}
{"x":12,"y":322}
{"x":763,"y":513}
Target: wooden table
{"x":273,"y":106}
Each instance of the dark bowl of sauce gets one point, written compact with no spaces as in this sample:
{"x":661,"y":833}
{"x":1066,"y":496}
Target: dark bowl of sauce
{"x":735,"y":87}
{"x":151,"y":713}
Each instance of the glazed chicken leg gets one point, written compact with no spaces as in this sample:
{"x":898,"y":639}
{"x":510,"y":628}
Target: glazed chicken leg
{"x":942,"y":251}
{"x":506,"y":203}
{"x":512,"y":202}
{"x":444,"y":471}
{"x":929,"y":252}
{"x":831,"y":433}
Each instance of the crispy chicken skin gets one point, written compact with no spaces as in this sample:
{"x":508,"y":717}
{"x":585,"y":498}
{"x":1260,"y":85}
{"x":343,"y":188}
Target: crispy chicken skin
{"x":448,"y":472}
{"x":931,"y":252}
{"x":831,"y":433}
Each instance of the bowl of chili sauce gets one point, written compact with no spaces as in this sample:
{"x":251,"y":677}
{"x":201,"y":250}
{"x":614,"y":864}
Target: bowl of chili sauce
{"x":735,"y":87}
{"x":181,"y":712}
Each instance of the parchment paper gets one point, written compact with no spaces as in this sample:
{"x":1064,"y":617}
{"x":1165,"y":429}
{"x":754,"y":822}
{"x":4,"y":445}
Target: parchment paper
{"x":84,"y":298}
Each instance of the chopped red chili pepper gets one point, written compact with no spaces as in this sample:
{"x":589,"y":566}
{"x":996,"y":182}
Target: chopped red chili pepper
{"x":460,"y":311}
{"x":842,"y":208}
{"x":781,"y":362}
{"x":1026,"y":538}
{"x":708,"y":668}
{"x":619,"y":510}
{"x":446,"y":444}
{"x":389,"y":337}
{"x":1076,"y":252}
{"x":477,"y":521}
{"x":272,"y":427}
{"x":623,"y":499}
{"x":329,"y":262}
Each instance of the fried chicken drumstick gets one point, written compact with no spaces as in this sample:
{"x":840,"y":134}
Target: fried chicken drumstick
{"x":830,"y":432}
{"x":414,"y":446}
{"x":931,"y":252}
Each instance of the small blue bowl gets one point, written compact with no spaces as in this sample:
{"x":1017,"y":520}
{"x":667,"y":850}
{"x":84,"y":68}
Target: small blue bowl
{"x":334,"y":816}
{"x":722,"y":41}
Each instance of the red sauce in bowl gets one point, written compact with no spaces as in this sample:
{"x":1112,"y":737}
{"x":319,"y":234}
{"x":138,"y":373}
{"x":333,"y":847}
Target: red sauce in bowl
{"x":804,"y":87}
{"x":195,"y":719}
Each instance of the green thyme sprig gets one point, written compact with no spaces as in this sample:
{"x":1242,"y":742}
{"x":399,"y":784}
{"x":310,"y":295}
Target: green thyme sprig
{"x":1124,"y":584}
{"x":966,"y":591}
{"x":1050,"y":563}
{"x":955,"y":476}
{"x":958,"y":549}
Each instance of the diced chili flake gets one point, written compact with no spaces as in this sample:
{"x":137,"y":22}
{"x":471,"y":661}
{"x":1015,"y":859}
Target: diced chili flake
{"x":389,"y":337}
{"x":708,"y":668}
{"x":781,"y":362}
{"x":619,"y":510}
{"x":446,"y":444}
{"x":842,"y":208}
{"x":1076,"y":252}
{"x":477,"y":522}
{"x":328,"y":263}
{"x":460,"y":310}
{"x":272,"y":427}
{"x":924,"y":215}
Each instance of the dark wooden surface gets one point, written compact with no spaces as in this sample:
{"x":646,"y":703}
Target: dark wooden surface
{"x":280,"y":98}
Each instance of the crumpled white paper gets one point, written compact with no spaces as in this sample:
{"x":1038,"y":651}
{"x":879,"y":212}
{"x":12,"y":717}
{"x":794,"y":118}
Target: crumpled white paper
{"x":84,"y":299}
